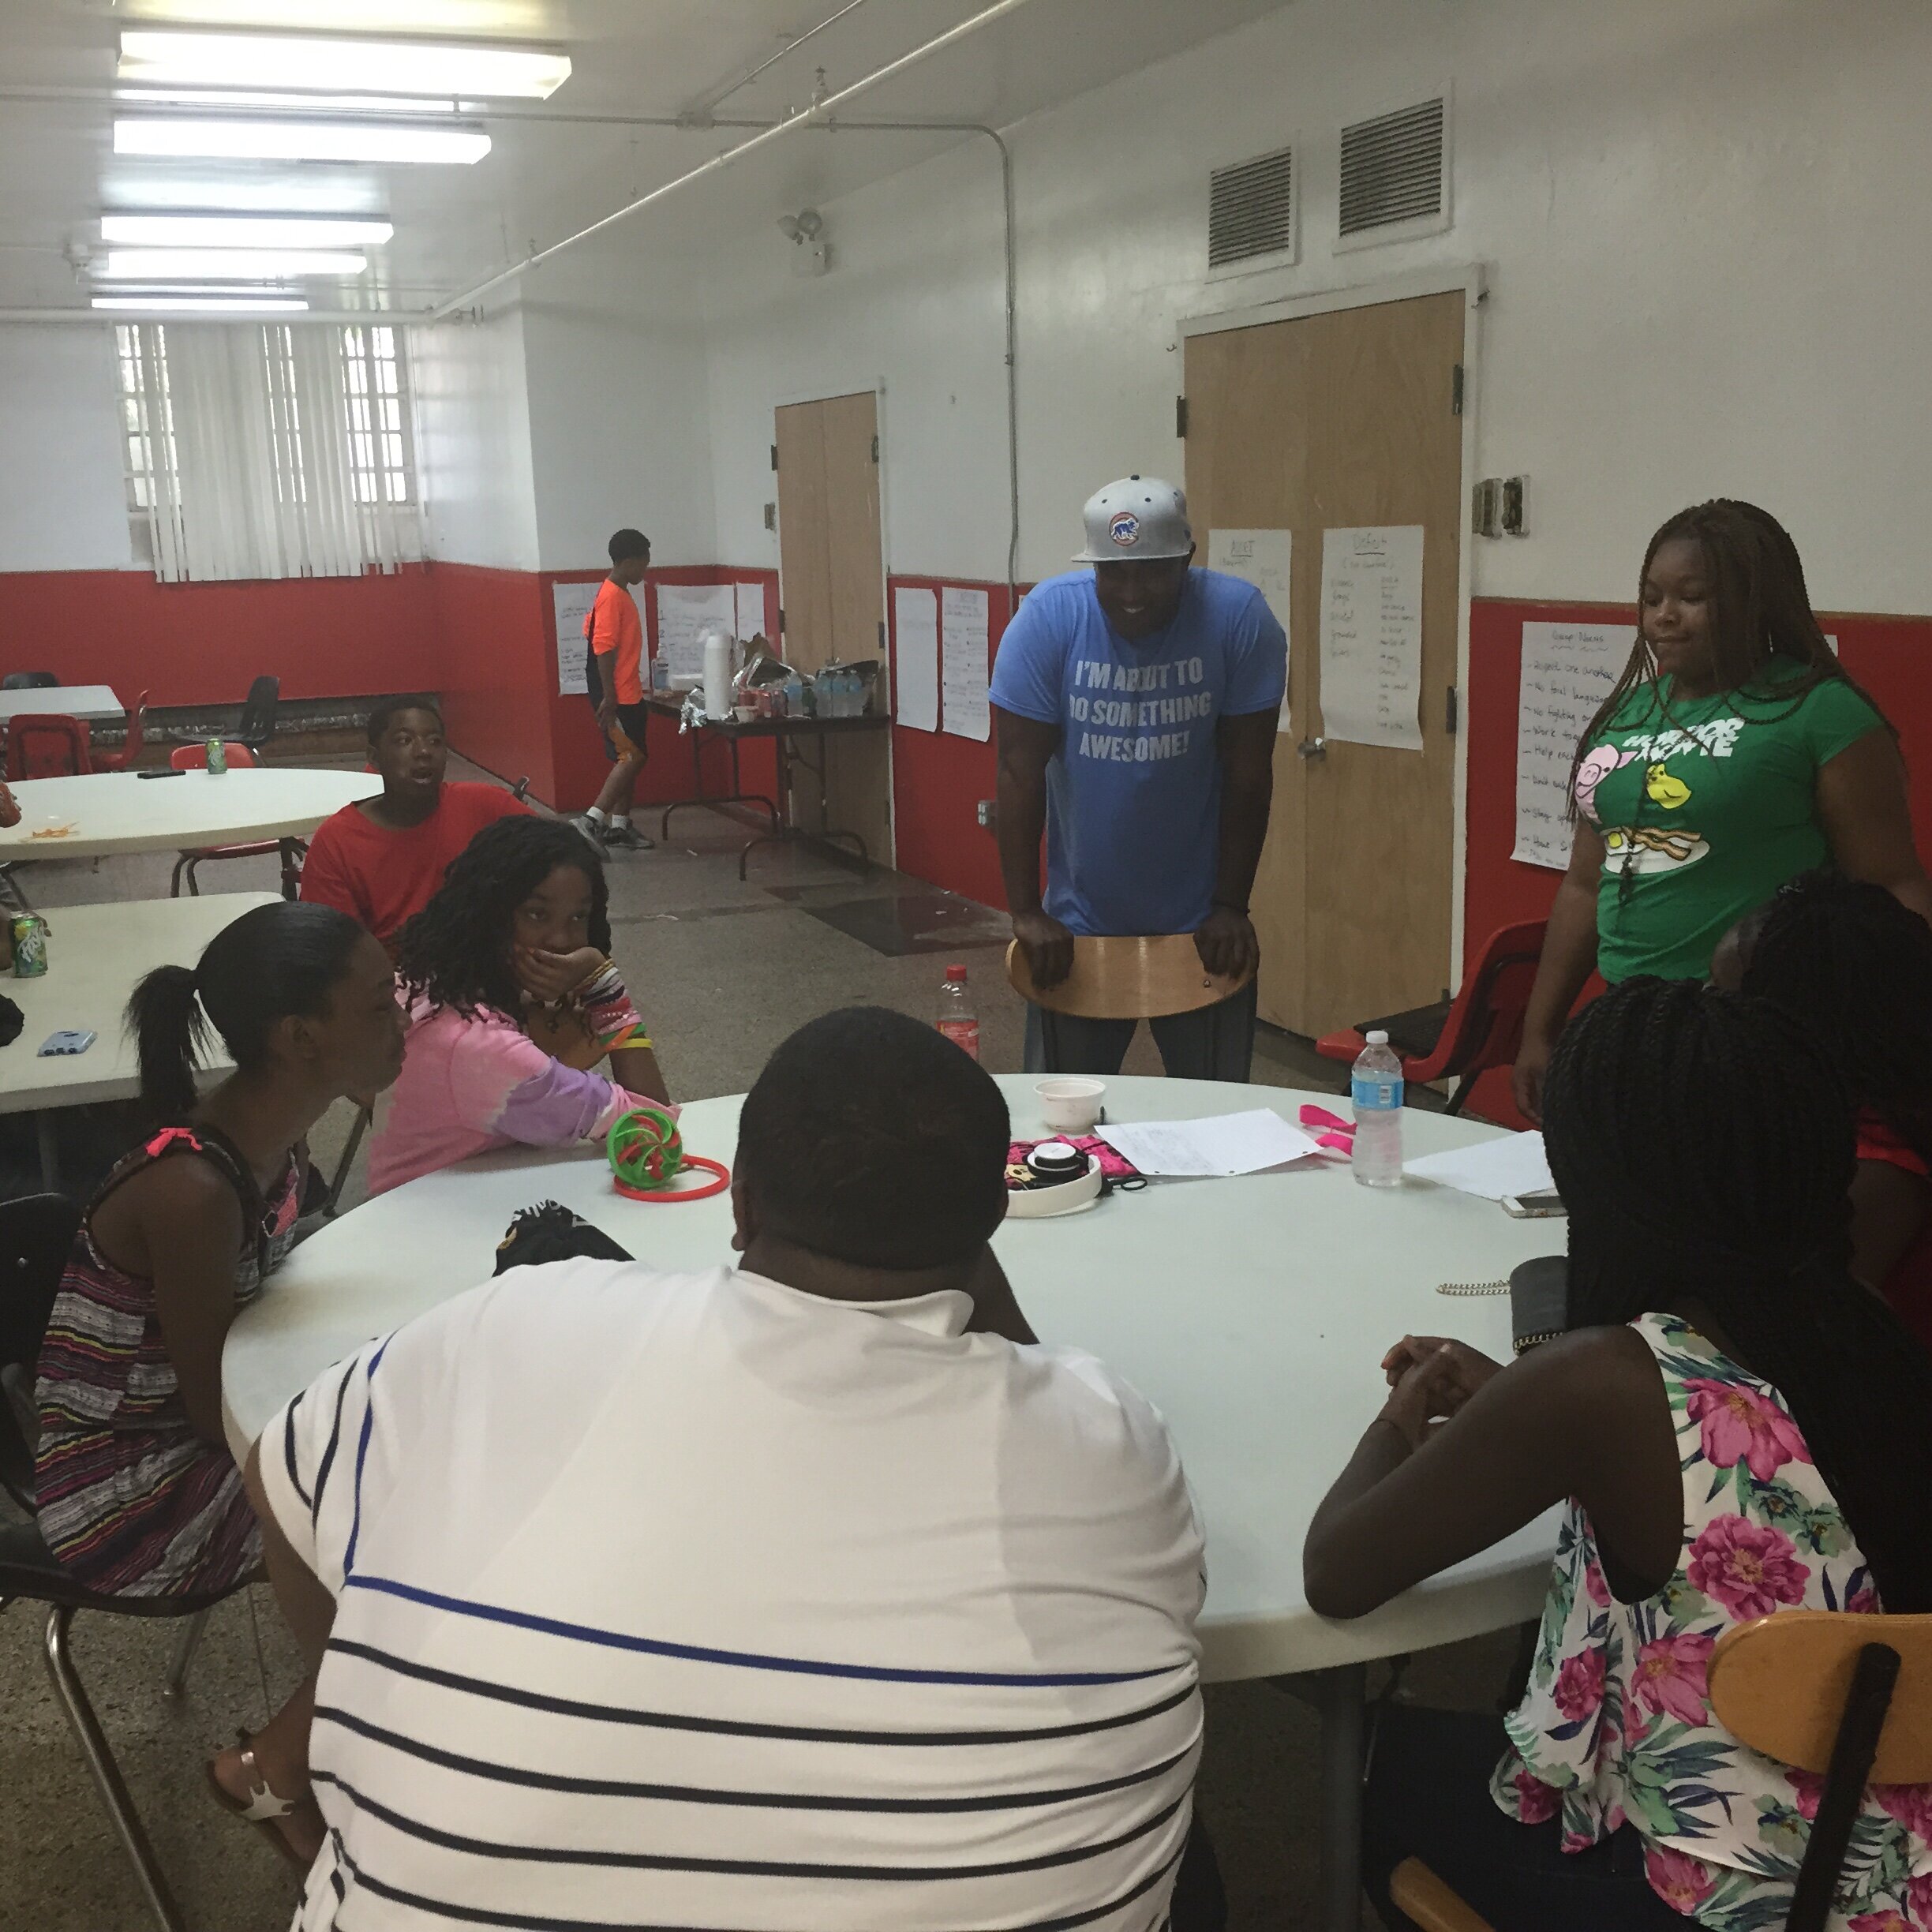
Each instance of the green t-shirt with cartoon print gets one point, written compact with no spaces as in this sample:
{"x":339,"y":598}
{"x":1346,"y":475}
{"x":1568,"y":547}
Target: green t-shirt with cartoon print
{"x":1706,"y":806}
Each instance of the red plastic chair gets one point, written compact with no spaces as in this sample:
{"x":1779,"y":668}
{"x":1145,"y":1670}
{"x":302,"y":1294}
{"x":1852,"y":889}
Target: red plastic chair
{"x":1461,"y":1039}
{"x":48,"y":745}
{"x":129,"y":754}
{"x":293,"y":850}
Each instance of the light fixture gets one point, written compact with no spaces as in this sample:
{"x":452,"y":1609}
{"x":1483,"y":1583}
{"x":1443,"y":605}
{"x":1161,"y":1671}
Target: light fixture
{"x":231,"y":264}
{"x":203,"y":305}
{"x":292,"y":104}
{"x":254,"y":139}
{"x":245,"y":231}
{"x":806,"y":225}
{"x":178,"y":57}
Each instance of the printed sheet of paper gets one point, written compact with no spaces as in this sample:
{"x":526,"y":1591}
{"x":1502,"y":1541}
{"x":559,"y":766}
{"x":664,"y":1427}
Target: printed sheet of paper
{"x":1371,"y":636}
{"x":751,"y":613}
{"x":915,"y":657}
{"x":1510,"y":1164}
{"x":964,"y":627}
{"x":1262,"y":558}
{"x":685,"y":611}
{"x":571,"y":602}
{"x":1567,"y":671}
{"x":1233,"y":1144}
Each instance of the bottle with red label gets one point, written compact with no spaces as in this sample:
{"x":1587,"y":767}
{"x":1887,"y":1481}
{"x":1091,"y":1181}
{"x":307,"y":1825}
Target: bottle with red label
{"x":957,"y":1021}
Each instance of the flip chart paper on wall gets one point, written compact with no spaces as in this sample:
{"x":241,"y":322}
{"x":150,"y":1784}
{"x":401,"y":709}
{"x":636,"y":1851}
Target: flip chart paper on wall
{"x":915,"y":657}
{"x":1371,"y":636}
{"x":684,"y":612}
{"x":1567,"y":671}
{"x":1262,"y":558}
{"x":571,"y":602}
{"x":964,"y":631}
{"x":752,"y":612}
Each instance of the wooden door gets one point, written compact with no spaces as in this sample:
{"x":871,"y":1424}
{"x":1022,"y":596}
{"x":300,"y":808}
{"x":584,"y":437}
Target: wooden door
{"x":832,"y":590}
{"x":1326,"y":422}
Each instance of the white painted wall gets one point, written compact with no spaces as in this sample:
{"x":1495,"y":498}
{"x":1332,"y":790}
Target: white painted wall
{"x":1710,"y":261}
{"x":63,"y":493}
{"x":472,"y":442}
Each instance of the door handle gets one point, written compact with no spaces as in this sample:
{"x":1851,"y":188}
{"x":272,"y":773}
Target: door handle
{"x":1311,"y":748}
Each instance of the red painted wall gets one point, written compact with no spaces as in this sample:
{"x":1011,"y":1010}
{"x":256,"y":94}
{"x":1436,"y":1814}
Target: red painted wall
{"x":493,"y":668}
{"x":939,"y":780}
{"x":204,"y":643}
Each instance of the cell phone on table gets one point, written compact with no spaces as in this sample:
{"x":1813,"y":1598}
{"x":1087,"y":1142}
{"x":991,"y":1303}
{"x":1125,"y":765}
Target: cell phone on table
{"x":166,"y":771}
{"x":68,"y":1040}
{"x":1537,"y":1207}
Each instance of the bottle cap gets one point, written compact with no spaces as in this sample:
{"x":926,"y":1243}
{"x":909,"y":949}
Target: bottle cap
{"x":959,"y":972}
{"x":1378,"y":1038}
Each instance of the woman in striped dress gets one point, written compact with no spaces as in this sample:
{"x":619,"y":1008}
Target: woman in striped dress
{"x":138,"y":1495}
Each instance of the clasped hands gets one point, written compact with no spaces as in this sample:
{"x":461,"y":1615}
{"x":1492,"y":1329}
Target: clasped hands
{"x":1430,"y":1378}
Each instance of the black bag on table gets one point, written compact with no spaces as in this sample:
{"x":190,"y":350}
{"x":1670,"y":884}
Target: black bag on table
{"x":549,"y":1231}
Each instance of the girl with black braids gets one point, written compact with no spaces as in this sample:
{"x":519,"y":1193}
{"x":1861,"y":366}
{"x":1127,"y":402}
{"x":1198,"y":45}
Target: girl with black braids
{"x":1735,"y":1425}
{"x":514,"y":1002}
{"x":1851,"y":963}
{"x":1733,"y":753}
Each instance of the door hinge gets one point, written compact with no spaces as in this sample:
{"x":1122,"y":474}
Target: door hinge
{"x":882,"y":636}
{"x":1455,"y":393}
{"x":774,"y":449}
{"x":781,"y":620}
{"x":875,"y":449}
{"x":1450,"y":711}
{"x":1180,"y":418}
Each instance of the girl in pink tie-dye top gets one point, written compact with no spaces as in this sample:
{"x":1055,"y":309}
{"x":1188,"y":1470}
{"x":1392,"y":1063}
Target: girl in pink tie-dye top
{"x":513,"y":1004}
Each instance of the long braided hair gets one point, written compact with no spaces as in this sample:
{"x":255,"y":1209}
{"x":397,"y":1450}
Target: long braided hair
{"x":1703,"y":1146}
{"x":1760,"y":612}
{"x":1855,"y":966}
{"x":455,"y":952}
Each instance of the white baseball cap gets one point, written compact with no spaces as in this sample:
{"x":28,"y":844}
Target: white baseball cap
{"x":1137,"y":520}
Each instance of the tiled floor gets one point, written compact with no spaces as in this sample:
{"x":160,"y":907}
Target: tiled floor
{"x":723,"y":970}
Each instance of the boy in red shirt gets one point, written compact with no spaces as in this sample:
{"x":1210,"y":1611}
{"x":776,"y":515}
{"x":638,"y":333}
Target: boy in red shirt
{"x":382,"y":860}
{"x":614,"y":676}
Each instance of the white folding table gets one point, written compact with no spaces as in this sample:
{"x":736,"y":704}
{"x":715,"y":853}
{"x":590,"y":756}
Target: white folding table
{"x":1253,"y":1312}
{"x":95,"y":955}
{"x":93,"y":704}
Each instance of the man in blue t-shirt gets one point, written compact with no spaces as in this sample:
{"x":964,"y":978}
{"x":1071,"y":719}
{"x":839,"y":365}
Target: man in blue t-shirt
{"x":1137,"y":704}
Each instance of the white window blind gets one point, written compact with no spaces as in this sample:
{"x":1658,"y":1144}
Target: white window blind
{"x":269,"y":451}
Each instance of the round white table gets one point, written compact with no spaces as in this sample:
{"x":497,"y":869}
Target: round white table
{"x":123,"y":812}
{"x":1254,"y":1312}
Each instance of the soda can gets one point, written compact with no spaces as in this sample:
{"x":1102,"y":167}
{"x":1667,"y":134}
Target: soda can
{"x":30,"y":945}
{"x":217,"y":756}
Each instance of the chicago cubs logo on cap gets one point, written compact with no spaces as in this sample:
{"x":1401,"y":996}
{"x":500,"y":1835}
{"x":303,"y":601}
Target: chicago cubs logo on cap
{"x":1125,"y":529}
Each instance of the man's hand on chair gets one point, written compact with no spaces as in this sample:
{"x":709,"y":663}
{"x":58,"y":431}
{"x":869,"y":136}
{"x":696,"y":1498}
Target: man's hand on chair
{"x":1048,"y":946}
{"x":1227,"y":945}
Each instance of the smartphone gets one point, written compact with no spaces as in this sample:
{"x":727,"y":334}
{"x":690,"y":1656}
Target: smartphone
{"x":1537,"y":1207}
{"x":167,"y":771}
{"x":69,"y":1040}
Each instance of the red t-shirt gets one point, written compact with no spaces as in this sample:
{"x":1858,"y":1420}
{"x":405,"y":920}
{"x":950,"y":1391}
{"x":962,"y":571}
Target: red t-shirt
{"x":382,"y":878}
{"x":615,"y":633}
{"x":1909,"y":1287}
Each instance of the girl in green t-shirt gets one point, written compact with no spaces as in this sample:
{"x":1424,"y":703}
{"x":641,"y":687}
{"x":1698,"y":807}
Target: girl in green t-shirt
{"x":1733,"y":754}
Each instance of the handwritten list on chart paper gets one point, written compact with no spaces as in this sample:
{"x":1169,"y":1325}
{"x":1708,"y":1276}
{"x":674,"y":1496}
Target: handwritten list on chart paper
{"x":965,"y":628}
{"x":1567,"y":671}
{"x":1371,"y":636}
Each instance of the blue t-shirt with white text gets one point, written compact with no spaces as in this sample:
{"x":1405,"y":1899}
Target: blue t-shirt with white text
{"x":1133,"y":793}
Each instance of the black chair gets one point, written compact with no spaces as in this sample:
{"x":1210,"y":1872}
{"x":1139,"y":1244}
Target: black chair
{"x":258,"y":715}
{"x":29,"y":680}
{"x":36,"y":1233}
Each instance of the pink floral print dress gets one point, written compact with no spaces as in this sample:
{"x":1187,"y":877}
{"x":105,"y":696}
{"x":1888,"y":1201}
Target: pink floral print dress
{"x":1617,"y":1723}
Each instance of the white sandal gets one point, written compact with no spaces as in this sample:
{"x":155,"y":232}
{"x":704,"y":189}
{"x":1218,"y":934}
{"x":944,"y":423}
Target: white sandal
{"x":263,"y":1806}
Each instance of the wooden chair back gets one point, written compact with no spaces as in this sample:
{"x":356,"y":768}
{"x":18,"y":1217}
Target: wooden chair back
{"x":1780,"y":1683}
{"x":1128,"y":979}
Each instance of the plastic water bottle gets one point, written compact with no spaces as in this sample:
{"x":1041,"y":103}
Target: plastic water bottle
{"x":1376,"y":1086}
{"x":957,"y":1021}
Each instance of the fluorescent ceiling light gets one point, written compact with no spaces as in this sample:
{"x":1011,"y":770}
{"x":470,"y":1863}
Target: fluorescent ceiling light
{"x":311,"y":104}
{"x":298,"y":140}
{"x":235,"y":265}
{"x":245,"y":231}
{"x":204,"y":304}
{"x":178,"y":56}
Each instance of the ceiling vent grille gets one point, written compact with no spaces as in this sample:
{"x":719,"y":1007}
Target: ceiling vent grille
{"x":1251,"y":208}
{"x":1392,"y":168}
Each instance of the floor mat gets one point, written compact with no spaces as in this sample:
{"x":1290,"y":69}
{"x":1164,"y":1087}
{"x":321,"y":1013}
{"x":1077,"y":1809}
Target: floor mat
{"x":897,"y":924}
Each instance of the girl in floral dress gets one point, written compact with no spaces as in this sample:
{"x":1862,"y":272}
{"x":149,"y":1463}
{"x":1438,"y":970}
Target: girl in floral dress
{"x":1735,"y":1427}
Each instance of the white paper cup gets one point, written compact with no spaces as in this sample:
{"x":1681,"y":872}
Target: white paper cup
{"x":1071,"y":1106}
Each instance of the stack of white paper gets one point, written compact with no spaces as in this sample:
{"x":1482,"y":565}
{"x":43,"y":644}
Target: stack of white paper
{"x":1510,"y":1164}
{"x":1233,"y":1144}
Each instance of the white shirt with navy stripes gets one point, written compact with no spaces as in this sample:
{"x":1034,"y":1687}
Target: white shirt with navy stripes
{"x":696,"y":1601}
